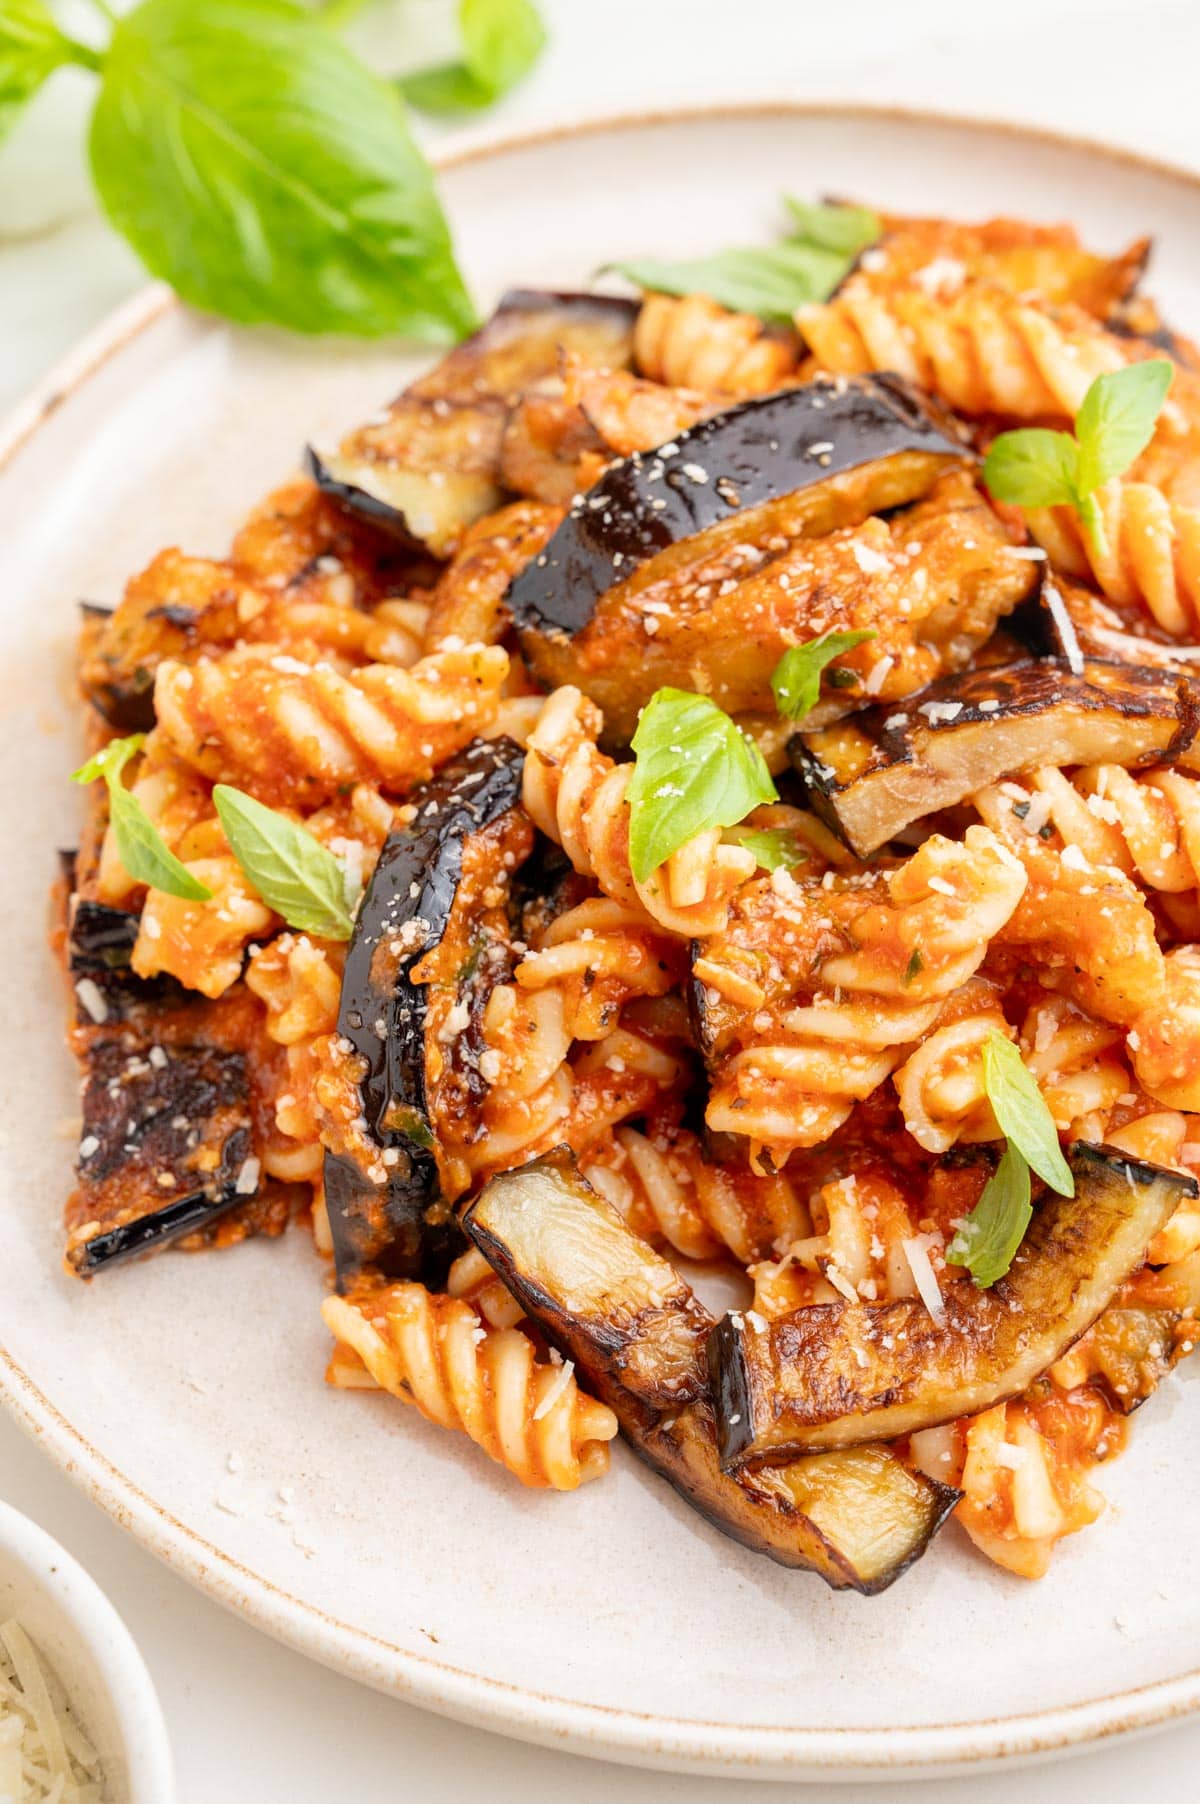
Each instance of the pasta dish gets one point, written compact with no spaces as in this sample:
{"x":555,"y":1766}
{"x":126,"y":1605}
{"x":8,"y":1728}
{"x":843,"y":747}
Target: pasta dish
{"x":692,"y":789}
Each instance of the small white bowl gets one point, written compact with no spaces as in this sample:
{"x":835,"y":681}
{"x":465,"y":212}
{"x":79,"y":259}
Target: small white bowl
{"x":81,"y":1636}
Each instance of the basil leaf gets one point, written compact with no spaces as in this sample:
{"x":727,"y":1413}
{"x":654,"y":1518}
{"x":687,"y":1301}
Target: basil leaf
{"x":255,"y":164}
{"x":1021,"y":1112}
{"x":771,"y":282}
{"x":293,"y":872}
{"x":446,"y":88}
{"x":833,"y":227}
{"x":31,"y":48}
{"x":110,"y":760}
{"x":502,"y":40}
{"x":772,"y":846}
{"x":143,"y":852}
{"x":1033,"y":467}
{"x":139,"y":843}
{"x":988,"y":1240}
{"x":694,"y":770}
{"x":1116,"y":420}
{"x":797,"y":679}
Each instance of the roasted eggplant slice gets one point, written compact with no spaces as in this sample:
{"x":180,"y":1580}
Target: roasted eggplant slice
{"x":432,"y":464}
{"x":876,"y":772}
{"x":97,"y":943}
{"x":383,"y":1189}
{"x":1147,"y":1329}
{"x":170,"y":1127}
{"x":809,"y":440}
{"x":698,"y":564}
{"x":841,"y":1374}
{"x":636,"y":1333}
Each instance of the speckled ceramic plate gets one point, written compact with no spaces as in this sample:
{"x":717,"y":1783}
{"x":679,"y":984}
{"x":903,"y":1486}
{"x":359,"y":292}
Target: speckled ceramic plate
{"x":613,"y":1621}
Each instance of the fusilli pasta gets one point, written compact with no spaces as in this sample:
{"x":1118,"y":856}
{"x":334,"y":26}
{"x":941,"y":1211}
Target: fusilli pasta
{"x":691,"y":342}
{"x":269,"y":719}
{"x":576,"y":795}
{"x":434,"y":1352}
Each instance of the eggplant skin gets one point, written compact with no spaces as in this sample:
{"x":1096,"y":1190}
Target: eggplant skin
{"x":402,"y":1225}
{"x":841,"y":1374}
{"x":431,"y":466}
{"x":636,"y":1333}
{"x":186,"y":1115}
{"x":874,"y":773}
{"x":772,"y":446}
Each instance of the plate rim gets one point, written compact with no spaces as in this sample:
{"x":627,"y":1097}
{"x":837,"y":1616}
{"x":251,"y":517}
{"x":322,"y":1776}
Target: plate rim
{"x":517,"y":1711}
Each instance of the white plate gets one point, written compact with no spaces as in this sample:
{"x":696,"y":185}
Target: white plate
{"x":613,"y":1621}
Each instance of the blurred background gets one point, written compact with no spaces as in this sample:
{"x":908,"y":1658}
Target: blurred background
{"x":249,"y":1720}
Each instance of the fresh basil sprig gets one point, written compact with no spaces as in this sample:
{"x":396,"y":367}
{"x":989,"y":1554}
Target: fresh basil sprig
{"x":1037,"y":467}
{"x":833,"y":226}
{"x":255,"y":164}
{"x":1021,"y":1113}
{"x":260,"y":168}
{"x":501,"y":40}
{"x":139,"y":843}
{"x":988,"y":1239}
{"x":773,"y":280}
{"x":31,"y":49}
{"x":291,"y":870}
{"x":772,"y":846}
{"x":796,"y":681}
{"x":694,"y":769}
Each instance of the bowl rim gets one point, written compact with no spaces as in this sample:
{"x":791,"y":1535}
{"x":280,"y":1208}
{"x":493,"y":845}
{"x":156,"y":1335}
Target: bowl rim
{"x":105,"y":1639}
{"x":601,"y":1731}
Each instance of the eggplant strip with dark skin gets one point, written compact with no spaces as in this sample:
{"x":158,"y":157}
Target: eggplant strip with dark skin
{"x":840,"y":1374}
{"x":177,"y":1127}
{"x":636,"y":1334}
{"x":433,"y":463}
{"x":177,"y":1098}
{"x":872,"y":775}
{"x":383,"y":1188}
{"x":700,"y":564}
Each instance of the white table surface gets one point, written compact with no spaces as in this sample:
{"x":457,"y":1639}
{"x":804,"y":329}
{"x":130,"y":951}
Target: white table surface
{"x":253,"y":1723}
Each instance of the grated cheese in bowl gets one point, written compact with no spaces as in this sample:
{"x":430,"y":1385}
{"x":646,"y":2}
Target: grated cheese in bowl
{"x":45,"y":1758}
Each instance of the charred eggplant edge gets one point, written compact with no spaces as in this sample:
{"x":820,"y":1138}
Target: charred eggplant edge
{"x":750,"y":1429}
{"x":677,"y":1439}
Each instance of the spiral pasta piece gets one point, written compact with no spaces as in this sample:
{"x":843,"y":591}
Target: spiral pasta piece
{"x":672,"y":1195}
{"x":981,"y":348}
{"x":940,"y":1085}
{"x":203,"y":944}
{"x":468,"y":602}
{"x":596,"y":957}
{"x":858,"y":1247}
{"x":1150,"y":553}
{"x":284,"y":726}
{"x":434,"y":1352}
{"x":1165,"y":1038}
{"x":1084,"y":925}
{"x":538,"y":1098}
{"x":577,"y":796}
{"x":1145,"y":824}
{"x":886,"y":954}
{"x":691,"y":342}
{"x":472,"y":1278}
{"x":298,"y":980}
{"x":1024,"y":1470}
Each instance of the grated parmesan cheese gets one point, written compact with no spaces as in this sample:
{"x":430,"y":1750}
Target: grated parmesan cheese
{"x":916,"y":1251}
{"x":45,"y":1758}
{"x":561,"y":1381}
